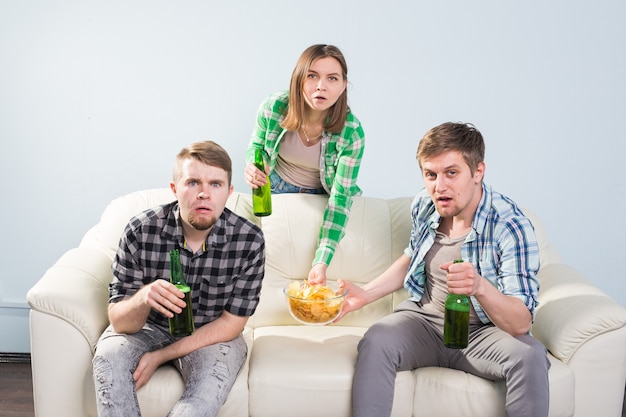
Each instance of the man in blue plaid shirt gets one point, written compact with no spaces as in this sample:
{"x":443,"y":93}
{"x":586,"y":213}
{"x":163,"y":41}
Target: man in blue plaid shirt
{"x":455,"y":217}
{"x":223,"y":258}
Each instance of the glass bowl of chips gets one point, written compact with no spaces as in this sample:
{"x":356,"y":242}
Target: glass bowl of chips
{"x":314,"y":304}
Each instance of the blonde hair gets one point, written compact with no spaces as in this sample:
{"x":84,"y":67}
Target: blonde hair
{"x":207,"y":152}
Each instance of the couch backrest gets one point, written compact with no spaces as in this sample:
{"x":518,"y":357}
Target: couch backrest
{"x":107,"y":232}
{"x":547,"y":253}
{"x":376,"y":234}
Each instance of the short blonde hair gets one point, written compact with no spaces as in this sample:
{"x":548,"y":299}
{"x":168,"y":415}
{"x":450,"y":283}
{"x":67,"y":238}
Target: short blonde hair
{"x":207,"y":152}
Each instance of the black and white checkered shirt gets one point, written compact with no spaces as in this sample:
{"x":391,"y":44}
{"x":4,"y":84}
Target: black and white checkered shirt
{"x":225,"y":275}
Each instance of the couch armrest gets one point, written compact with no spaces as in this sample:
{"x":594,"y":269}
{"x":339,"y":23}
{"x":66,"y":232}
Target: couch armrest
{"x":572,"y":311}
{"x":61,"y":368}
{"x":76,"y":290}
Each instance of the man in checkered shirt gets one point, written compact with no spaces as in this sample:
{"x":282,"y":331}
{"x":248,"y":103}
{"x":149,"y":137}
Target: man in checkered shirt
{"x":223,"y":258}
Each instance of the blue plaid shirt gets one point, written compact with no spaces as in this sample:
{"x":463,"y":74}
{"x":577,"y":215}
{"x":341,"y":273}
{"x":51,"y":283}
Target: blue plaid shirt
{"x":501,"y":245}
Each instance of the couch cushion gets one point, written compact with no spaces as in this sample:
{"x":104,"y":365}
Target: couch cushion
{"x":443,"y":392}
{"x":307,"y":371}
{"x":166,"y":386}
{"x":291,"y":365}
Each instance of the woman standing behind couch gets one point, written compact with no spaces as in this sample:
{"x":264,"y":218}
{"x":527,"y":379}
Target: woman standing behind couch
{"x":314,"y":143}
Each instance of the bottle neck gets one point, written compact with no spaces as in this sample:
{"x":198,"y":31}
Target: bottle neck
{"x":176,"y":269}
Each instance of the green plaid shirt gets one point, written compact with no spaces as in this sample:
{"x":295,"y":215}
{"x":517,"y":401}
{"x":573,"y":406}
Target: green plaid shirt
{"x":340,"y":161}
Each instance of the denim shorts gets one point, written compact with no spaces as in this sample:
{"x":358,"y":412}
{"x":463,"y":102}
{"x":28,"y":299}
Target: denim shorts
{"x":280,"y":186}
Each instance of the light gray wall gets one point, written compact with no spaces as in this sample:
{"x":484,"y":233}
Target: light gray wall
{"x":96,"y":98}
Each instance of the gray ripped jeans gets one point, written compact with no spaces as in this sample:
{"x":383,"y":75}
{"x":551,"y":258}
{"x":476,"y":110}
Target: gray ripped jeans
{"x":209,"y":373}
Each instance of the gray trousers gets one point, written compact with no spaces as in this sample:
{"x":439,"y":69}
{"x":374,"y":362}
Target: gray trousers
{"x":209,"y":373}
{"x":411,"y":338}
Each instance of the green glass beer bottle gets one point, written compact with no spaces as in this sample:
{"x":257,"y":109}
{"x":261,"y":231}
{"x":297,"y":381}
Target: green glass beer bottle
{"x":261,"y":196}
{"x":456,"y":320}
{"x":182,"y":323}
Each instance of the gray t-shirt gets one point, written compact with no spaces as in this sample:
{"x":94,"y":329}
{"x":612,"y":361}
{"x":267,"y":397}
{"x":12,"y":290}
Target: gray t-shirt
{"x":443,"y":250}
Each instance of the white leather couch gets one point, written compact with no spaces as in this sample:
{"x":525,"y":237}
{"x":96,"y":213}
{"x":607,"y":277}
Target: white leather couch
{"x":299,"y":371}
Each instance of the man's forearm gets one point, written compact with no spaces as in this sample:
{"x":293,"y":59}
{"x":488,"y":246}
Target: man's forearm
{"x":508,"y":313}
{"x":390,"y":280}
{"x":225,"y":328}
{"x":128,"y":316}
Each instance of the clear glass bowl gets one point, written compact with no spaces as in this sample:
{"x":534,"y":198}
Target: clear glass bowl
{"x":313,"y":304}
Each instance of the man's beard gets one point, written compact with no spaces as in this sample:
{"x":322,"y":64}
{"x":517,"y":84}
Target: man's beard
{"x":202,"y":223}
